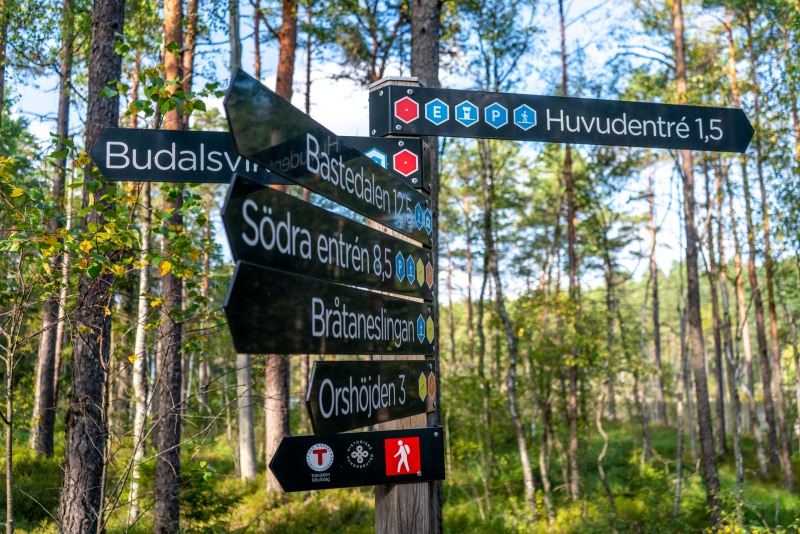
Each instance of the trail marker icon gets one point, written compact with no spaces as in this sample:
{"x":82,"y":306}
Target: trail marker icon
{"x":437,"y":111}
{"x":406,"y":110}
{"x":467,"y":113}
{"x":495,"y":115}
{"x":525,"y":117}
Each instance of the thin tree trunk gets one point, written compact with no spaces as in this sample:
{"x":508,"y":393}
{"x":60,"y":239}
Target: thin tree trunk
{"x":487,"y":187}
{"x":61,"y":329}
{"x":598,"y":420}
{"x":680,"y":422}
{"x":140,"y":353}
{"x":5,"y":15}
{"x":244,"y":398}
{"x":732,"y":364}
{"x":452,"y":325}
{"x":287,"y":44}
{"x":235,"y":40}
{"x":44,"y":405}
{"x":722,"y":444}
{"x":277,"y":391}
{"x":784,"y":451}
{"x":170,"y":332}
{"x":661,"y":407}
{"x":81,"y":501}
{"x":257,"y":39}
{"x":695,"y":325}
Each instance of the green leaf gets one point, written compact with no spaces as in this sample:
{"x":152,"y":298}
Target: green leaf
{"x":173,"y":47}
{"x":59,"y":154}
{"x":94,"y":270}
{"x":108,"y":92}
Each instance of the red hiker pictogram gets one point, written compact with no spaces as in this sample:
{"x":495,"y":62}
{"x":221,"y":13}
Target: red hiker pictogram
{"x":402,"y":456}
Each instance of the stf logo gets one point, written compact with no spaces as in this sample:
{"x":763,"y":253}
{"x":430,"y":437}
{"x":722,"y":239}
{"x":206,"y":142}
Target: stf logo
{"x":319,"y":457}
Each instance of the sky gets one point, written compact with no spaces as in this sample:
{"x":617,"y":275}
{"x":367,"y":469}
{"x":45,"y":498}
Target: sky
{"x":341,"y":105}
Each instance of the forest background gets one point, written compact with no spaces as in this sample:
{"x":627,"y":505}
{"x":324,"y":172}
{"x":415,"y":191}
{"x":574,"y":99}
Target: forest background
{"x":617,"y":327}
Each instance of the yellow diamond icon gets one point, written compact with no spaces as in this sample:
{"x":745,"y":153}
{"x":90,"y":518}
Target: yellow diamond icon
{"x":423,"y":386}
{"x":429,"y":329}
{"x":420,"y":272}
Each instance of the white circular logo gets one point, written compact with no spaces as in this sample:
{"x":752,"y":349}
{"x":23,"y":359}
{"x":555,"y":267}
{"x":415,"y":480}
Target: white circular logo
{"x":319,"y":457}
{"x":359,"y":454}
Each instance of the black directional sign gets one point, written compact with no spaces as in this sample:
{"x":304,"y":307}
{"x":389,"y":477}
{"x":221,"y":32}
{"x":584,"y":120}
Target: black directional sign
{"x":272,"y":229}
{"x":304,"y":463}
{"x":396,"y":110}
{"x":271,"y":311}
{"x":347,"y":395}
{"x":406,"y":156}
{"x":269,"y":130}
{"x":173,"y":156}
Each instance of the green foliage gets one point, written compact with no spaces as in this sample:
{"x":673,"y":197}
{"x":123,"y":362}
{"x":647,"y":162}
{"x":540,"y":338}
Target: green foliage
{"x":37,"y":484}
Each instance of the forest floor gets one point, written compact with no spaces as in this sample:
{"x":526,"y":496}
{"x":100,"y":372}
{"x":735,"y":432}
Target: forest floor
{"x":215,"y":500}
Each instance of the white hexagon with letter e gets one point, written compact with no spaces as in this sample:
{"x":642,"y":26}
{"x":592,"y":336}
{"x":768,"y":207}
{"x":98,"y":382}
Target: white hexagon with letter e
{"x":437,"y":111}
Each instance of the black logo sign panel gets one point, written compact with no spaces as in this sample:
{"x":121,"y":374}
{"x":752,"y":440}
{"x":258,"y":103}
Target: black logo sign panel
{"x":453,"y":113}
{"x":347,"y":395}
{"x":304,"y":463}
{"x":269,"y":130}
{"x":272,"y":229}
{"x":271,"y":311}
{"x":173,"y":156}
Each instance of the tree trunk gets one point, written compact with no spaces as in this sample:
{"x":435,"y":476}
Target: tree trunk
{"x":451,"y":320}
{"x":170,"y":332}
{"x":257,"y":40}
{"x":661,"y":407}
{"x":722,"y":444}
{"x":732,"y":360}
{"x":44,"y":405}
{"x":487,"y":187}
{"x":140,"y":353}
{"x":81,"y":502}
{"x":784,"y":452}
{"x":287,"y":44}
{"x":694,"y":321}
{"x":236,"y":41}
{"x":682,"y":393}
{"x":248,"y":467}
{"x":5,"y":15}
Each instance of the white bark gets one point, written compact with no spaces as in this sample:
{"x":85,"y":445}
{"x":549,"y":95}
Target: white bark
{"x":244,"y":401}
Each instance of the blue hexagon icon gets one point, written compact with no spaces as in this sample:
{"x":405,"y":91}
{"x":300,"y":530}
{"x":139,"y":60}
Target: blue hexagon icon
{"x":525,"y":117}
{"x":495,"y":115}
{"x":428,"y":222}
{"x":378,"y":157}
{"x":419,"y":216}
{"x":467,"y":113}
{"x":400,"y":266}
{"x":421,"y":328}
{"x":437,"y":112}
{"x":411,"y":269}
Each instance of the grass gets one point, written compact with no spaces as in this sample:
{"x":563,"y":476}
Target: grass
{"x":215,"y":500}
